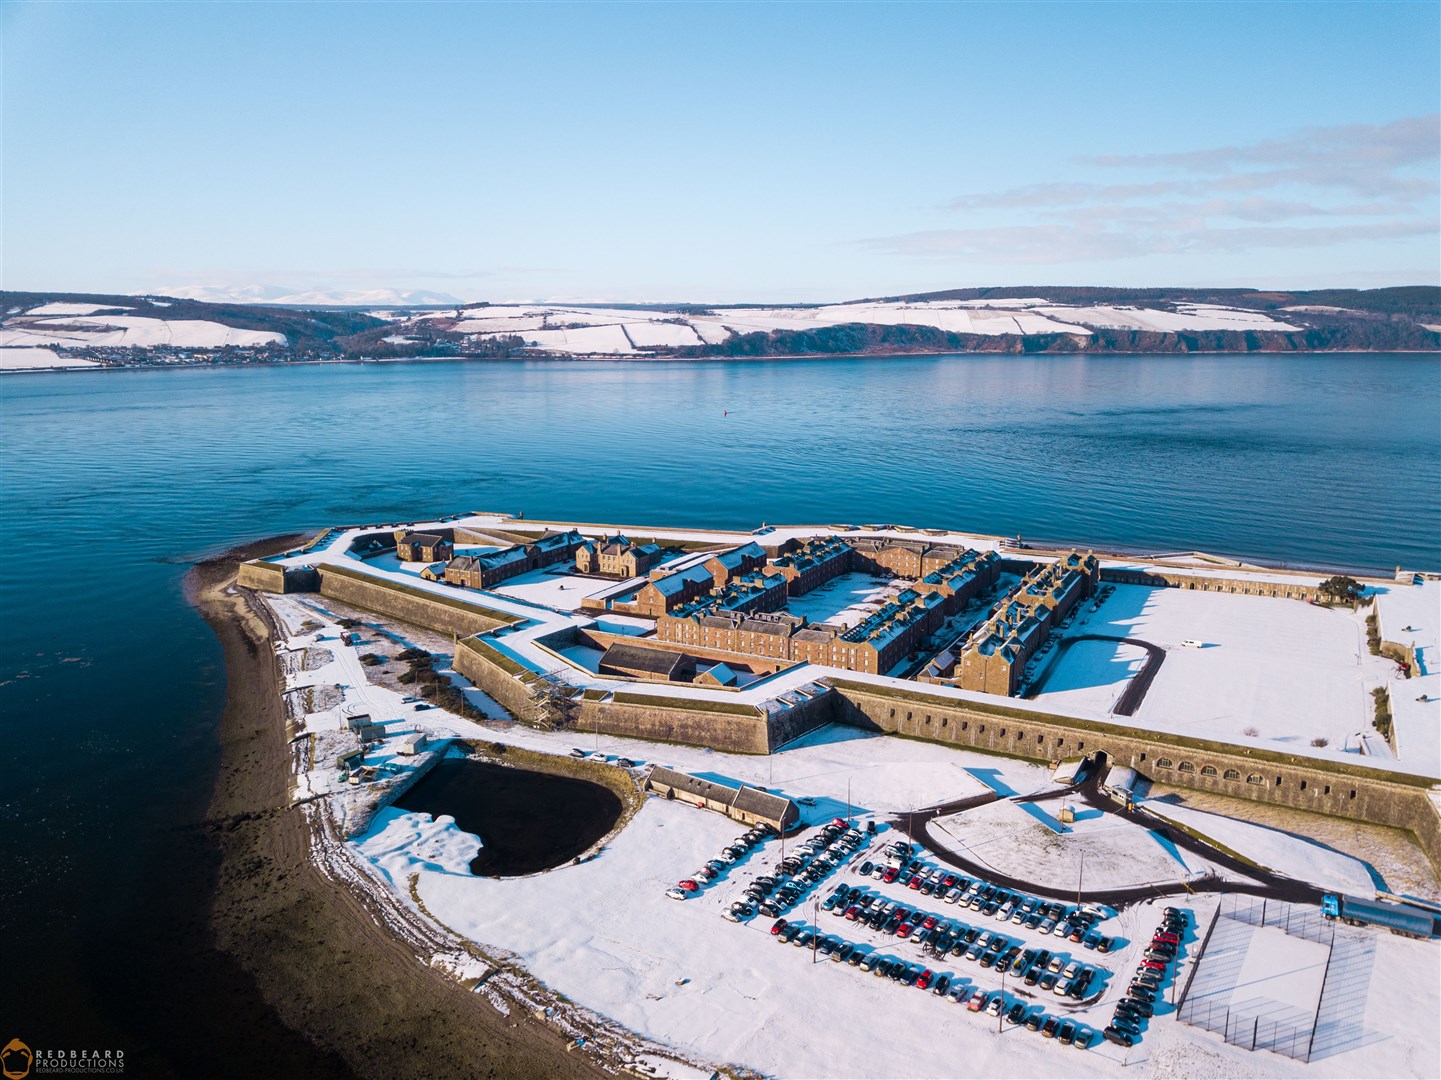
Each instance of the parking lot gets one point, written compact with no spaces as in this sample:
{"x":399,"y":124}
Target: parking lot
{"x":878,"y":908}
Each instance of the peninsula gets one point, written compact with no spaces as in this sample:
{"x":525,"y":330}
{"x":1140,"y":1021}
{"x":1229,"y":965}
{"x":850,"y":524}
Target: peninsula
{"x":594,"y":773}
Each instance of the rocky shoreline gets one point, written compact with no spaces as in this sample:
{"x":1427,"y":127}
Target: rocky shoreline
{"x":319,"y":957}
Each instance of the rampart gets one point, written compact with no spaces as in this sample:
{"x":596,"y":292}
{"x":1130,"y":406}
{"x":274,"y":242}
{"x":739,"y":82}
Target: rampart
{"x":409,"y":604}
{"x":1303,"y":588}
{"x":273,"y":577}
{"x":1374,"y":796}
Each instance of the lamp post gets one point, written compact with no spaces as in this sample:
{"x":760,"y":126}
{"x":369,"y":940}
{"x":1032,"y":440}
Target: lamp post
{"x":816,"y":937}
{"x":1001,"y":1016}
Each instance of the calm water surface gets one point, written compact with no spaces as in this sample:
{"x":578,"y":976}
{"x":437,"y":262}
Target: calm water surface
{"x":114,"y":482}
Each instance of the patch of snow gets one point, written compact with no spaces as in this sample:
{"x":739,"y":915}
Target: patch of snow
{"x":61,"y":308}
{"x":22,"y":358}
{"x":1304,"y":860}
{"x":402,"y":842}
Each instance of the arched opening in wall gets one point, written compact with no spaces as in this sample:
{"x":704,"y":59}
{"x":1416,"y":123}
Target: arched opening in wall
{"x":1185,"y":766}
{"x":1256,"y":778}
{"x":1165,"y":763}
{"x":1208,"y":770}
{"x":1230,"y":774}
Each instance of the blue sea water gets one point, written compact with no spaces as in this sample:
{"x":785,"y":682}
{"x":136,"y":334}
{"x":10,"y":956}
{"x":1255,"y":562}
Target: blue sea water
{"x":114,"y":482}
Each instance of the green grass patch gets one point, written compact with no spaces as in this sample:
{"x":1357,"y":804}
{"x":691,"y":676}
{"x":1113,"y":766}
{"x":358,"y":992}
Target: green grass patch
{"x":686,"y":704}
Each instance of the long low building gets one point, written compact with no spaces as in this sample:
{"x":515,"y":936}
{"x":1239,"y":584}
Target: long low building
{"x":751,"y":805}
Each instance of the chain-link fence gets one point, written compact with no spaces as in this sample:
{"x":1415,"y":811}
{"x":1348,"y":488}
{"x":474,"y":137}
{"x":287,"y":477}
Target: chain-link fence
{"x":1298,"y":921}
{"x":1243,"y":1027}
{"x":1246,"y":1023}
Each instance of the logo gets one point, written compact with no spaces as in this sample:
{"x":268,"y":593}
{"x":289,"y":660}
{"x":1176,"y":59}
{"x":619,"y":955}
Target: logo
{"x":15,"y":1060}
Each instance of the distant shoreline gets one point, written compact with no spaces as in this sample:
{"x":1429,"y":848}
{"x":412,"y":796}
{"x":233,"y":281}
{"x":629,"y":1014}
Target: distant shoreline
{"x":623,"y":359}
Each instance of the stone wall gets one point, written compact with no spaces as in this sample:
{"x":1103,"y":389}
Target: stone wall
{"x":273,"y":577}
{"x":407,"y":603}
{"x":1340,"y":789}
{"x":1303,"y":588}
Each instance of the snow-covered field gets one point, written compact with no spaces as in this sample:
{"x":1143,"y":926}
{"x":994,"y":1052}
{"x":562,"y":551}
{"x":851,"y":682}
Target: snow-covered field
{"x":1280,"y":852}
{"x":602,"y":932}
{"x":1090,"y":675}
{"x":1291,"y":671}
{"x":598,"y":330}
{"x":127,"y":330}
{"x":22,"y":358}
{"x":842,"y":601}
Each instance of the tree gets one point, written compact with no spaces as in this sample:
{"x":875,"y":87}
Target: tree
{"x":1341,"y":589}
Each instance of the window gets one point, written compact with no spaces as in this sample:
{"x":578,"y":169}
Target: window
{"x":1256,"y":778}
{"x":1003,"y":733}
{"x":1303,"y":785}
{"x":1165,"y":763}
{"x":1328,"y":790}
{"x":1230,"y":774}
{"x":1186,"y":766}
{"x":1208,"y":770}
{"x":1353,"y":793}
{"x":1081,"y":745}
{"x":965,"y":724}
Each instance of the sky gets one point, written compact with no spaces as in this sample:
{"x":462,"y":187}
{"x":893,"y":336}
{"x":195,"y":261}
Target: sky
{"x":722,"y":152}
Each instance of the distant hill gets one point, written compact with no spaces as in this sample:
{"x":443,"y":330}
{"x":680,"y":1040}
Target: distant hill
{"x":41,"y":329}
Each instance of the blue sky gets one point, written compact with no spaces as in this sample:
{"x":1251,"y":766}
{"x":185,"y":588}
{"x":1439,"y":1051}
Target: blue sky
{"x":720,"y":152}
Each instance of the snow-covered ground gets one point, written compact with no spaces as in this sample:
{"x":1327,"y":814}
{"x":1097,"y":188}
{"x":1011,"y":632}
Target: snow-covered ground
{"x":62,"y":308}
{"x":1027,"y":841}
{"x":1277,"y":851}
{"x":1415,"y":702}
{"x":602,"y":932}
{"x":128,"y":330}
{"x":22,"y":358}
{"x":599,"y":330}
{"x":842,"y":601}
{"x":1090,"y":675}
{"x":1291,"y":671}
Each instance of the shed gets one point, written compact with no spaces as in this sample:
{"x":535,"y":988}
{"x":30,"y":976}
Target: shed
{"x":413,"y":743}
{"x":638,"y":662}
{"x":750,"y":805}
{"x":720,"y":675}
{"x":356,"y":721}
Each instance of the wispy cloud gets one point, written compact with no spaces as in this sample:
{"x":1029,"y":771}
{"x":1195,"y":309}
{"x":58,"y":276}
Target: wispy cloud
{"x":1318,"y":187}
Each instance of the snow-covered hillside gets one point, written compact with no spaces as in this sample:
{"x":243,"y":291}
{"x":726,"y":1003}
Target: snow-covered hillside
{"x":599,"y":330}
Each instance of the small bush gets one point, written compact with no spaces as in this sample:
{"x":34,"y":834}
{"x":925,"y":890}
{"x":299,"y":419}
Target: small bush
{"x":413,"y":653}
{"x":405,"y":677}
{"x":370,"y":659}
{"x":1321,"y":741}
{"x":1251,"y":732}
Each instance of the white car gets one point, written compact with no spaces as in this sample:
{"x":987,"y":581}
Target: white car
{"x":677,"y":893}
{"x":597,"y":757}
{"x":953,"y":894}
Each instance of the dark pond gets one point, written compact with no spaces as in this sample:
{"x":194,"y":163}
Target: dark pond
{"x":527,"y":821}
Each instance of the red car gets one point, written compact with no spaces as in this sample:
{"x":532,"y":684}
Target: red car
{"x":1169,"y":939}
{"x":1153,"y":965}
{"x":925,"y":979}
{"x":904,"y":913}
{"x":778,"y":926}
{"x":904,"y":930}
{"x":890,"y":875}
{"x":915,"y":882}
{"x":689,"y":884}
{"x":950,"y":881}
{"x":853,"y":913}
{"x":840,"y":823}
{"x":930,"y":922}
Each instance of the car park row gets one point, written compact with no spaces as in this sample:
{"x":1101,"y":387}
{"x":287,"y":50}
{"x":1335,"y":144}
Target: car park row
{"x":1136,"y":1008}
{"x":1014,"y":1013}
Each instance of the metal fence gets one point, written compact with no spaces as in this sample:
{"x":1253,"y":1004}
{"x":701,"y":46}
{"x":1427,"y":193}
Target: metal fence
{"x":1302,"y":922}
{"x":1247,"y":1023}
{"x":1246,"y":1028}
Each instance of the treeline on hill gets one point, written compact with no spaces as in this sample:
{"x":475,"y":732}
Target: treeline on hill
{"x":309,"y":332}
{"x":1420,"y":302}
{"x":866,"y":338}
{"x":423,"y":339}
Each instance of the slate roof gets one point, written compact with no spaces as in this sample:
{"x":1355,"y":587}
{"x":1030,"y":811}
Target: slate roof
{"x":637,"y":658}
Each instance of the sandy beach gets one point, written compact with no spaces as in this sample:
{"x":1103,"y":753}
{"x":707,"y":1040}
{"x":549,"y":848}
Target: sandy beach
{"x":318,"y":958}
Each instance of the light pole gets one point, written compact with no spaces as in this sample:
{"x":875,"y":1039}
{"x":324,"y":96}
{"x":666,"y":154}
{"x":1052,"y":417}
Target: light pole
{"x":1080,"y":876}
{"x":1001,"y":1016}
{"x":816,"y":937}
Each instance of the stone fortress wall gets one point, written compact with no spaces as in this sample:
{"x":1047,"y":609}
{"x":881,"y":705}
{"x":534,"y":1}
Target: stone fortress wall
{"x":1369,"y":795}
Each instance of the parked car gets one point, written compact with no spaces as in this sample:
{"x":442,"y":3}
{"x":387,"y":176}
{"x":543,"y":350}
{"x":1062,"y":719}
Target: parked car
{"x":1120,"y":1038}
{"x":677,"y":894}
{"x":977,"y":1002}
{"x":1035,"y":1020}
{"x":941,"y":984}
{"x":1050,"y":1027}
{"x":1084,"y":1038}
{"x":1016,"y":1014}
{"x":1067,"y":1035}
